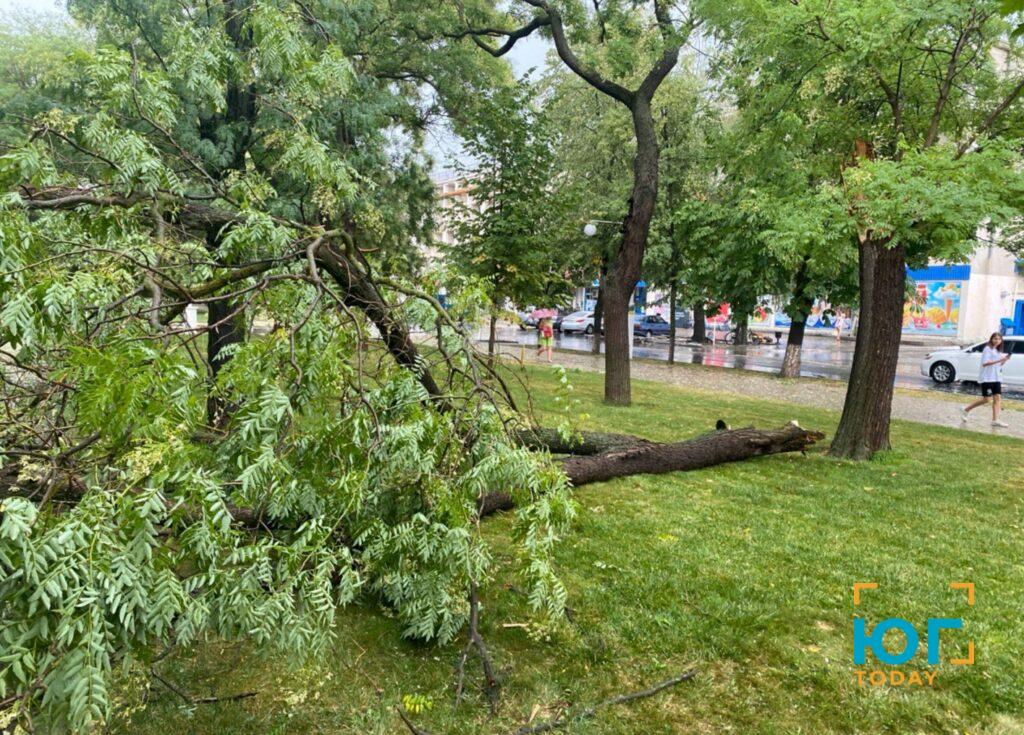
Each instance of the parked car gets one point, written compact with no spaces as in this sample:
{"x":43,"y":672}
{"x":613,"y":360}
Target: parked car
{"x":964,"y":363}
{"x":649,"y":325}
{"x":578,"y":321}
{"x":556,"y":323}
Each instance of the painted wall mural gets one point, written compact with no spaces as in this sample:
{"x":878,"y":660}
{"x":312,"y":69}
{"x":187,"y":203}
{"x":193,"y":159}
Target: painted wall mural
{"x":934,"y":308}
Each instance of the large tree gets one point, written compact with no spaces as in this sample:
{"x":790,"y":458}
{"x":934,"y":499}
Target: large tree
{"x":640,"y":45}
{"x":337,"y":460}
{"x":593,"y":150}
{"x":162,"y":481}
{"x":914,"y":97}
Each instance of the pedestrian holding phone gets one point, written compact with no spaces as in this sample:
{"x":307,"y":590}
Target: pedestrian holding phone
{"x":992,"y":361}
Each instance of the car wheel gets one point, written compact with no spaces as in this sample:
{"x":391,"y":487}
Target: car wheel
{"x":942,"y":372}
{"x":590,"y":329}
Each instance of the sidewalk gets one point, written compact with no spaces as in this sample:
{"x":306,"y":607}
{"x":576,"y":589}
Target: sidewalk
{"x":907,"y":405}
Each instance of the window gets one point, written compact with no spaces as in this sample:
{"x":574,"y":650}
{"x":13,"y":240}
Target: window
{"x":1015,"y":346}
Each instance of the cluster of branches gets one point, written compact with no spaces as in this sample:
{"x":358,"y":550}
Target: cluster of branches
{"x":162,"y":480}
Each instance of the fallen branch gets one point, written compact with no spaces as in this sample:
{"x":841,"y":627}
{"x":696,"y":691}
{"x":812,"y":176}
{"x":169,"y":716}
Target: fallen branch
{"x":628,"y":455}
{"x":189,"y":699}
{"x":491,"y":684}
{"x":585,"y":714}
{"x":589,"y":712}
{"x":707,"y":450}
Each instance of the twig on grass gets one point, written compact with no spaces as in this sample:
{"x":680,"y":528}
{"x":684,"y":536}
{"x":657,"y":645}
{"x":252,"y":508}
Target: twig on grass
{"x":559,"y":722}
{"x":491,"y":683}
{"x":589,"y":712}
{"x":189,"y":699}
{"x":410,"y":724}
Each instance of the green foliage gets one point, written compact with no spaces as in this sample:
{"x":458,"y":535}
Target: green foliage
{"x":593,"y":159}
{"x":511,"y":236}
{"x":930,"y":94}
{"x":742,"y":571}
{"x":128,"y":524}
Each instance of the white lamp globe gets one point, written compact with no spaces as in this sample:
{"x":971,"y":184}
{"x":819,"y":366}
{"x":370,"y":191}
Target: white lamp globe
{"x":590,"y":229}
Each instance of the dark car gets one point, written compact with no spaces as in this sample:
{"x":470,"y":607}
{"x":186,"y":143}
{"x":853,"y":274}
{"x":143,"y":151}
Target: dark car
{"x":527,"y":320}
{"x":556,"y":323}
{"x":649,"y":325}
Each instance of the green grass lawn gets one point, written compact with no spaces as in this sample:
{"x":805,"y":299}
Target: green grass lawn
{"x":742,"y":571}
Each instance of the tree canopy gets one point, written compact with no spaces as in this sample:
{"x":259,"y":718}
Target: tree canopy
{"x":265,"y":162}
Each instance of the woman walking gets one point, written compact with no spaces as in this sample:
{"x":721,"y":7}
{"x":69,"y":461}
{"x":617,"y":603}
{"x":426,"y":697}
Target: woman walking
{"x":992,"y":361}
{"x":545,"y":337}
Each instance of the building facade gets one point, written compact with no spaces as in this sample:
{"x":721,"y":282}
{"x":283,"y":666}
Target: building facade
{"x":970,"y":300}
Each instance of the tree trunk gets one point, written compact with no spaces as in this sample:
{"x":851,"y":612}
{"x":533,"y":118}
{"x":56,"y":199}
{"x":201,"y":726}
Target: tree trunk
{"x":492,"y":337}
{"x":794,"y":346}
{"x":802,"y":304}
{"x":742,"y":332}
{"x":707,"y":450}
{"x":599,"y":314}
{"x":864,"y":426}
{"x":672,"y":323}
{"x":226,"y":328}
{"x":617,"y":390}
{"x":700,"y":328}
{"x":624,"y":459}
{"x":624,"y":272}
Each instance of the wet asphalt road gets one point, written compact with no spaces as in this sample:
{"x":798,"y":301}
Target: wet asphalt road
{"x":823,"y":357}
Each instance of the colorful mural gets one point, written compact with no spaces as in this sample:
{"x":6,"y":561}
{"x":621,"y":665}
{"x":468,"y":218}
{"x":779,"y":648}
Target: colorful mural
{"x":934,"y":308}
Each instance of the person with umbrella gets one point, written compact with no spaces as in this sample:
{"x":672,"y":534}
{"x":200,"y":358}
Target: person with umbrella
{"x":545,"y":331}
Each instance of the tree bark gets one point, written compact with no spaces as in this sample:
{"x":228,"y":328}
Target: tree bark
{"x":794,"y":346}
{"x":864,"y":426}
{"x":700,"y":328}
{"x":225,"y":329}
{"x":624,"y":272}
{"x":634,"y":456}
{"x":617,"y":389}
{"x":492,"y":337}
{"x":707,"y":450}
{"x":672,"y":323}
{"x":742,"y":336}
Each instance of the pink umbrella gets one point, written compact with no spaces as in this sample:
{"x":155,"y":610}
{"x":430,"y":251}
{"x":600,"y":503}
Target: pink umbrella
{"x":544,"y":313}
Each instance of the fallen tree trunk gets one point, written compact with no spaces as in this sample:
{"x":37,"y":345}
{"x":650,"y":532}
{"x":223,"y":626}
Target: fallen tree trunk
{"x":634,"y":456}
{"x":595,"y":457}
{"x":581,"y":444}
{"x":706,"y":450}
